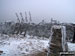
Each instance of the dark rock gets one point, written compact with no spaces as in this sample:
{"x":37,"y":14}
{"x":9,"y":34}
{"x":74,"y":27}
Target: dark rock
{"x":1,"y":52}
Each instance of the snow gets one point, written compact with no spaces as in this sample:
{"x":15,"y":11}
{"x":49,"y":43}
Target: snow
{"x":71,"y":46}
{"x":22,"y":46}
{"x":18,"y":45}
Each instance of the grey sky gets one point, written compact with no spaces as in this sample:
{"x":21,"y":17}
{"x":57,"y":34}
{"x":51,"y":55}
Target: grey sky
{"x":62,"y":10}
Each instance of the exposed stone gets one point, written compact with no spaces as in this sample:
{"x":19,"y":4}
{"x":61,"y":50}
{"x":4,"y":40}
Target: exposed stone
{"x":58,"y":40}
{"x":1,"y":52}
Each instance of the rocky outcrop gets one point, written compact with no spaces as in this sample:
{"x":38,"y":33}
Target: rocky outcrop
{"x":57,"y":41}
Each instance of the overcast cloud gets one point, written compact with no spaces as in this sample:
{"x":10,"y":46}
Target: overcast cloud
{"x":61,"y":10}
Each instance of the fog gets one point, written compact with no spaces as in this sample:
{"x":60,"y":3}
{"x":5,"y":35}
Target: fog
{"x":61,"y":10}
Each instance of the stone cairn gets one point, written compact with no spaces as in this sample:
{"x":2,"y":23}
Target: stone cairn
{"x":57,"y":41}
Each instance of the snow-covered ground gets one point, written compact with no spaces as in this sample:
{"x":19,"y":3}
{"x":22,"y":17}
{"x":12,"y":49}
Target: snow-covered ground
{"x":71,"y":46}
{"x":21,"y":46}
